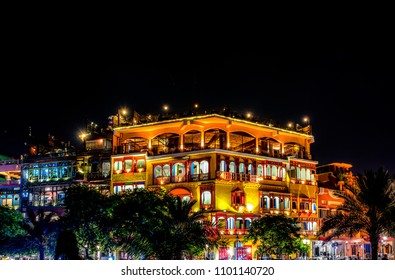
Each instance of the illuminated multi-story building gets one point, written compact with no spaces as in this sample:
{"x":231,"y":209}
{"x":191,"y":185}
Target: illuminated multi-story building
{"x":50,"y":166}
{"x":10,"y":173}
{"x":237,"y":168}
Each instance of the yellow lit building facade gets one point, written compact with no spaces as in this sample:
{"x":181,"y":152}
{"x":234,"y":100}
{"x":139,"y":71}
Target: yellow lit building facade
{"x":236,"y":168}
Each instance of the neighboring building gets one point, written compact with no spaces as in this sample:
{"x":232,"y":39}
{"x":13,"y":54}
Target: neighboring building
{"x":51,"y":166}
{"x":10,"y":173}
{"x":332,"y":178}
{"x":236,"y":167}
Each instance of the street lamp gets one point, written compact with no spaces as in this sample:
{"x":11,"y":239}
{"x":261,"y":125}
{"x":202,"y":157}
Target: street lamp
{"x":120,"y":113}
{"x":237,"y":247}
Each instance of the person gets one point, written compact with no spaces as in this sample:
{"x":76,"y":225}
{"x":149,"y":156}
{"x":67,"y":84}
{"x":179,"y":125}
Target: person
{"x":385,"y":257}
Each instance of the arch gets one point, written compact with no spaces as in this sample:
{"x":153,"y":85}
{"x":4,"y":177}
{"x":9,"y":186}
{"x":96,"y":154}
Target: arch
{"x":243,"y":142}
{"x":270,"y":147}
{"x":215,"y":138}
{"x":135,"y":144}
{"x":182,"y":192}
{"x":294,"y":149}
{"x":192,"y":140}
{"x":165,"y":143}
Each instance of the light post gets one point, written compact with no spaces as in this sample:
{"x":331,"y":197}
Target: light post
{"x":120,"y":113}
{"x":237,"y":247}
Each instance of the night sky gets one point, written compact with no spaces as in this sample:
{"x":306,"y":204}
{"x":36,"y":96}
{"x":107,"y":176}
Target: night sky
{"x":347,"y":93}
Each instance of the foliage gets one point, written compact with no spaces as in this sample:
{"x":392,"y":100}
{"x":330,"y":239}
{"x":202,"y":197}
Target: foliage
{"x":41,"y":231}
{"x":87,"y":214}
{"x":275,"y":235}
{"x":369,"y":206}
{"x":10,"y":221}
{"x":67,"y":246}
{"x":156,"y":225}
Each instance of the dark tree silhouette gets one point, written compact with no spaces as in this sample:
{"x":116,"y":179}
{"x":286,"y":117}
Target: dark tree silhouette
{"x":67,"y":246}
{"x":41,"y":228}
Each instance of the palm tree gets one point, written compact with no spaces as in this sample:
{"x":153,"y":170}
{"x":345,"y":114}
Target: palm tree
{"x":155,"y":225}
{"x":368,"y":206}
{"x":41,"y":228}
{"x":186,"y":230}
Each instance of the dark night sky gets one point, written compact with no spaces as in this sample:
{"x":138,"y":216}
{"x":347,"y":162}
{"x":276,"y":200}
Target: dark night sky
{"x":346,"y":92}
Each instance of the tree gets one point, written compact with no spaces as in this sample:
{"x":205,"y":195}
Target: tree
{"x":87,"y":213}
{"x":155,"y":225}
{"x":275,"y":235}
{"x":369,"y":206}
{"x":10,"y":221}
{"x":41,"y":228}
{"x":67,"y":246}
{"x":186,"y":231}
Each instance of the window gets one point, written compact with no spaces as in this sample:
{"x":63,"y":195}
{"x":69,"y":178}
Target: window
{"x":221,"y":223}
{"x":206,"y":198}
{"x":267,"y":202}
{"x":247,"y":223}
{"x":314,"y":208}
{"x":276,"y":202}
{"x":158,"y":171}
{"x":128,"y":165}
{"x":195,"y":168}
{"x":222,"y":166}
{"x":303,"y":174}
{"x":241,"y":168}
{"x":140,"y":164}
{"x":231,"y":223}
{"x":204,"y":166}
{"x":232,"y":167}
{"x":274,"y":171}
{"x":259,"y":170}
{"x":117,"y":166}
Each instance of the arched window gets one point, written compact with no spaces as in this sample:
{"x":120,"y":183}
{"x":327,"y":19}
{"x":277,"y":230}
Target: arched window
{"x":250,"y":169}
{"x":231,"y":223}
{"x":178,"y":172}
{"x":206,"y":198}
{"x":222,"y":166}
{"x":276,"y":202}
{"x":221,"y":223}
{"x":267,"y":202}
{"x":281,"y":172}
{"x":274,"y":171}
{"x":204,"y":166}
{"x":247,"y":223}
{"x":241,"y":168}
{"x":259,"y":170}
{"x":308,"y":174}
{"x":195,"y":168}
{"x":298,"y":173}
{"x":158,"y":171}
{"x":303,"y":174}
{"x":239,"y":223}
{"x":166,"y":170}
{"x":268,"y":170}
{"x":314,"y":208}
{"x":286,"y":203}
{"x":315,"y":226}
{"x":232,"y":167}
